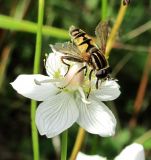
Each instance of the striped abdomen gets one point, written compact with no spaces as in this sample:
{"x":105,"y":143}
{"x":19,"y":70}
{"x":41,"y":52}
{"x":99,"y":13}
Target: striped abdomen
{"x":99,"y":63}
{"x":97,"y":59}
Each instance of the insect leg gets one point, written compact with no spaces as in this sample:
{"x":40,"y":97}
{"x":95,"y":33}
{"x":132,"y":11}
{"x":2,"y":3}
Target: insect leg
{"x":70,"y":58}
{"x":68,"y":65}
{"x":90,"y":75}
{"x":97,"y":83}
{"x":86,"y":71}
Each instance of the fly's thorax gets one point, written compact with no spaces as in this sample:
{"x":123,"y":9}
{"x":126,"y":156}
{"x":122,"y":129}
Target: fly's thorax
{"x":84,"y":49}
{"x":86,"y":57}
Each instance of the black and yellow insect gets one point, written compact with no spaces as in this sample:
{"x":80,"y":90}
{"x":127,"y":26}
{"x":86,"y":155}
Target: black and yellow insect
{"x":83,"y":49}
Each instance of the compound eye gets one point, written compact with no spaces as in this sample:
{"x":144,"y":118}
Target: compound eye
{"x":99,"y":73}
{"x":102,"y":73}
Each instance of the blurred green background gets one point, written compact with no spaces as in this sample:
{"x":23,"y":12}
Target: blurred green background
{"x":129,"y":61}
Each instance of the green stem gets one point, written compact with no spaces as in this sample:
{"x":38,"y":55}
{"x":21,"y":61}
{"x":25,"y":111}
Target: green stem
{"x":115,"y":29}
{"x":14,"y":24}
{"x":78,"y":143}
{"x":146,"y":136}
{"x":64,"y":141}
{"x":104,"y":10}
{"x":94,"y":146}
{"x":39,"y":37}
{"x":35,"y":141}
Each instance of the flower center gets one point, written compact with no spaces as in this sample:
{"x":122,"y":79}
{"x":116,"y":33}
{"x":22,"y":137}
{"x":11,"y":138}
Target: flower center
{"x":74,"y":79}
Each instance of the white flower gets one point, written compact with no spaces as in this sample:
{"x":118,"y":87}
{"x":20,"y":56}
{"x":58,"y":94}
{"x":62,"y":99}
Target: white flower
{"x":132,"y":152}
{"x":62,"y":107}
{"x":82,"y":156}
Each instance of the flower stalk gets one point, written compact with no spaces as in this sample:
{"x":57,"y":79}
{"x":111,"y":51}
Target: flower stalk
{"x":35,"y":141}
{"x":78,"y":143}
{"x":115,"y":28}
{"x":64,"y":143}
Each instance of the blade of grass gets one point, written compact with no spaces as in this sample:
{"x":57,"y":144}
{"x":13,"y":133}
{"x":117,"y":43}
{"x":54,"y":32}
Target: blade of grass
{"x":35,"y":141}
{"x":129,"y":47}
{"x":141,"y":91}
{"x":146,"y":136}
{"x":138,"y":31}
{"x":18,"y":10}
{"x":121,"y":64}
{"x":5,"y":56}
{"x":10,"y":23}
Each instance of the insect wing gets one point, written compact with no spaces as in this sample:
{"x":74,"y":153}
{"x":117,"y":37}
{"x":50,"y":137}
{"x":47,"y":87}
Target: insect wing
{"x":101,"y":32}
{"x":66,"y":48}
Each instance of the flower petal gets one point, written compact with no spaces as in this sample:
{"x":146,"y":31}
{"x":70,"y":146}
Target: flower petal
{"x":109,"y":90}
{"x":82,"y":156}
{"x":54,"y":65}
{"x":132,"y":152}
{"x":26,"y":86}
{"x":96,"y":118}
{"x":56,"y":114}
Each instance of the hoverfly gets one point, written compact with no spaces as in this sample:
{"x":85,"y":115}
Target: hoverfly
{"x":83,"y":49}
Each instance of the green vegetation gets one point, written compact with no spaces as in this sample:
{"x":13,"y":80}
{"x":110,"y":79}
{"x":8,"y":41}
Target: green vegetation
{"x":130,"y":59}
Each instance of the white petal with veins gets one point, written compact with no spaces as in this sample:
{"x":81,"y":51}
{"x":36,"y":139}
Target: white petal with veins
{"x":29,"y":86}
{"x":56,"y":114}
{"x":96,"y":118}
{"x":54,"y":65}
{"x":108,"y":90}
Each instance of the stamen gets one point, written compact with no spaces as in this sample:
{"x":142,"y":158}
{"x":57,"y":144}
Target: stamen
{"x":46,"y":81}
{"x":45,"y":59}
{"x":83,"y":98}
